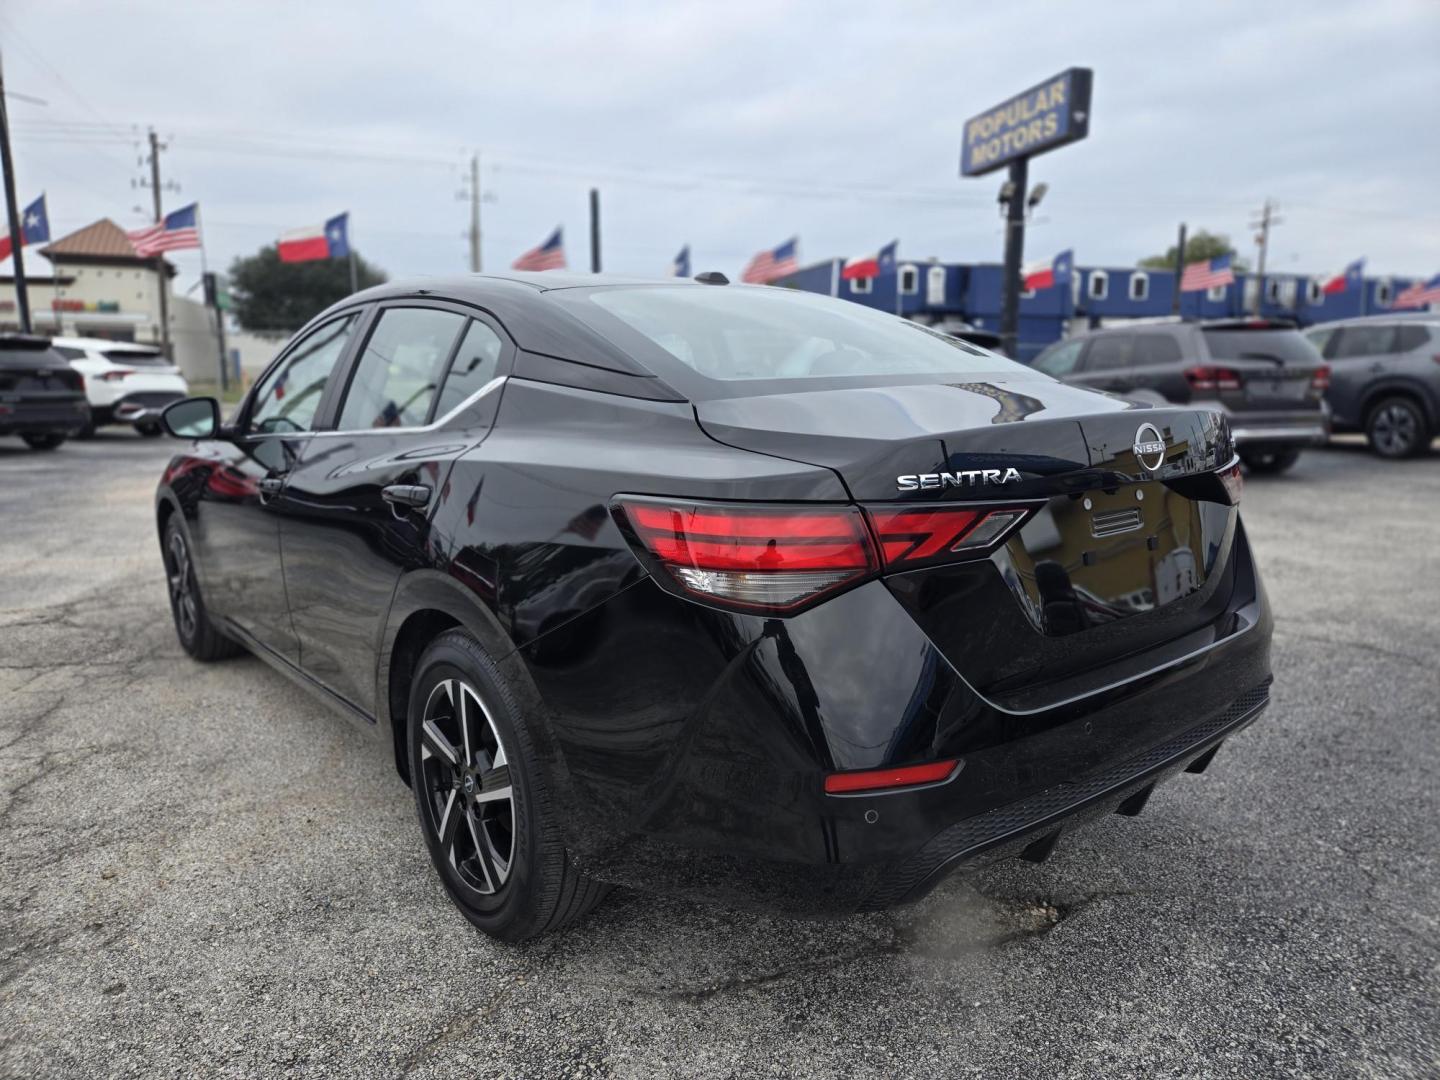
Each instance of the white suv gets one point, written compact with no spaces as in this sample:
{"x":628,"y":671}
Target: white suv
{"x":124,"y":383}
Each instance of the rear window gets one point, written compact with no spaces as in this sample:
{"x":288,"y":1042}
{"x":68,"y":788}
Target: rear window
{"x":738,"y":334}
{"x":28,"y":352}
{"x":136,"y":357}
{"x":1287,"y":346}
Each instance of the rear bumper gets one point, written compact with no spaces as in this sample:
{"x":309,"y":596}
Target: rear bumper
{"x":1308,"y":428}
{"x":43,"y":416}
{"x":143,"y":407}
{"x":691,"y":745}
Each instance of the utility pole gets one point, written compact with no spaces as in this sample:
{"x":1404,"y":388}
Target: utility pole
{"x":12,"y":214}
{"x":475,"y":213}
{"x":161,"y":280}
{"x":595,"y":230}
{"x":1014,"y":252}
{"x":1268,"y":217}
{"x":1179,"y":270}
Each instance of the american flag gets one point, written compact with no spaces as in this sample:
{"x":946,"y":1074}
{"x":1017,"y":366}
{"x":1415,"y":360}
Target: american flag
{"x":1421,"y":294}
{"x":548,"y":256}
{"x":1210,"y":274}
{"x":178,"y":229}
{"x":771,"y":265}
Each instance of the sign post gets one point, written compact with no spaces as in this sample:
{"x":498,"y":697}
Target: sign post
{"x":1048,"y":115}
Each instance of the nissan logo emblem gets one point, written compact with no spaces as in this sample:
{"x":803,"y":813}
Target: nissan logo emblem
{"x":1149,"y":447}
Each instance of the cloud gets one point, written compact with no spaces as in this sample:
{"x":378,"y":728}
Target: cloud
{"x":731,"y":127}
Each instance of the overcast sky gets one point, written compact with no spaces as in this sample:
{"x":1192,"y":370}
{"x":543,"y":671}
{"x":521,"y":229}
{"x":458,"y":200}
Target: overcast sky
{"x":733,"y":126}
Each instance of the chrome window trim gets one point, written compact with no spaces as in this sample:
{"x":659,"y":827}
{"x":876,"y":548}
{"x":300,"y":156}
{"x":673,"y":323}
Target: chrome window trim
{"x":439,"y":422}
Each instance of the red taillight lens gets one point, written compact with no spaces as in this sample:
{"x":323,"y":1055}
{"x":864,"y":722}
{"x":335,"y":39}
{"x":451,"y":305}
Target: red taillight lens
{"x":1233,"y":481}
{"x":117,"y":374}
{"x":917,"y":536}
{"x":1321,"y":379}
{"x":1207,"y":377}
{"x":755,"y":558}
{"x":853,"y":783}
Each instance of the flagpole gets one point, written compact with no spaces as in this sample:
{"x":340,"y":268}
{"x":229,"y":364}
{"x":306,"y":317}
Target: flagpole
{"x":350,"y":254}
{"x":12,"y":214}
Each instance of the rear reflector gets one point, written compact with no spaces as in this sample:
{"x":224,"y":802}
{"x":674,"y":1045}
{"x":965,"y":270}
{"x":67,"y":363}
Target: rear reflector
{"x":1321,"y":379}
{"x":911,"y":537}
{"x":752,"y":557}
{"x":1207,"y":377}
{"x":932,"y":772}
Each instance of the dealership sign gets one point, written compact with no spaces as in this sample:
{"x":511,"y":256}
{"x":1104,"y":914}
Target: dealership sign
{"x":1046,"y":116}
{"x":102,"y":307}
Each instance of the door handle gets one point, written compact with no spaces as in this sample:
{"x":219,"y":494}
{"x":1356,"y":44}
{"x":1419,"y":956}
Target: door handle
{"x":412,"y":495}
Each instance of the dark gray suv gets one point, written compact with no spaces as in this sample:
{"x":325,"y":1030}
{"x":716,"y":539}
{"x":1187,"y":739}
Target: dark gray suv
{"x":1262,"y":374}
{"x":1384,"y":379}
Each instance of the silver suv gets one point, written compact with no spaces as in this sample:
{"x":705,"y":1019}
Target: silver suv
{"x":1384,"y":379}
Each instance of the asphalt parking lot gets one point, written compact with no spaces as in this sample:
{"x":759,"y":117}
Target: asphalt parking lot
{"x":205,"y":872}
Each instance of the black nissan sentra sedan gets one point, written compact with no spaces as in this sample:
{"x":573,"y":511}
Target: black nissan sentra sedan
{"x":730,"y":591}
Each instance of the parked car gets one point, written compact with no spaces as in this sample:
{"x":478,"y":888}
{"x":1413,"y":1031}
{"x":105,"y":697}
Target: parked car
{"x":1384,"y":379}
{"x":125,"y":383}
{"x":42,"y":399}
{"x":730,"y":591}
{"x":959,"y":328}
{"x":1262,"y":374}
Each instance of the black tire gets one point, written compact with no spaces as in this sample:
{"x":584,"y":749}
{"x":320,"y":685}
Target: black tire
{"x":472,"y":804}
{"x":43,"y":442}
{"x":149,"y":430}
{"x":193,"y":627}
{"x":88,"y":431}
{"x":1397,"y":428}
{"x":1262,"y":462}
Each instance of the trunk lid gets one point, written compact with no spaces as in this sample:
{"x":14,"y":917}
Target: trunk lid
{"x":1276,"y":365}
{"x":1127,"y":546}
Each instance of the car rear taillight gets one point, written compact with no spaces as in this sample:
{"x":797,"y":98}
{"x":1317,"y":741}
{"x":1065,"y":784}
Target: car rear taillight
{"x":751,"y":557}
{"x":1321,"y":379}
{"x":1233,"y":481}
{"x":869,"y":780}
{"x":1208,"y":377}
{"x":117,"y":374}
{"x":918,"y":536}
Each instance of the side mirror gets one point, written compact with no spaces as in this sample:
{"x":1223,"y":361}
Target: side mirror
{"x":193,"y":418}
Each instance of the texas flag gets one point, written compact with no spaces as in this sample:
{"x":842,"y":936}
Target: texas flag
{"x":871,"y":266}
{"x":34,"y":227}
{"x":681,"y":266}
{"x":1348,"y":279}
{"x":1052,"y":272}
{"x":328,"y":241}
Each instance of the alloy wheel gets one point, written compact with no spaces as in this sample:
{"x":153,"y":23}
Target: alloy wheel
{"x":469,"y":799}
{"x":182,"y":586}
{"x":1394,"y":429}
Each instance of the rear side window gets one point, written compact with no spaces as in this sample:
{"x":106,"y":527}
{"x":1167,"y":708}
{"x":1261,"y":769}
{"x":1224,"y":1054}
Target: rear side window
{"x":1287,"y":346}
{"x":475,"y":364}
{"x":1109,"y":352}
{"x":1364,"y":340}
{"x":1410,"y":337}
{"x":1156,"y":349}
{"x":399,"y":372}
{"x":1059,"y":360}
{"x":69,"y":352}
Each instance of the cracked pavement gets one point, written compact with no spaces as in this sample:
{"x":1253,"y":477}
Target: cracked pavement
{"x":203,"y":871}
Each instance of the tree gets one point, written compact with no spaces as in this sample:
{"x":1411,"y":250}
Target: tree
{"x":272,"y":295}
{"x":1199,"y":246}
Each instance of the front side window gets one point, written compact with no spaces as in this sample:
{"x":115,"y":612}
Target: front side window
{"x":399,"y":372}
{"x":287,"y":399}
{"x":1410,"y":337}
{"x":745,"y":334}
{"x":1059,"y":360}
{"x":475,"y":364}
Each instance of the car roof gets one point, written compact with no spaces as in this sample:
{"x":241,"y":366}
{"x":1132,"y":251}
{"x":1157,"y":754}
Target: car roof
{"x":479,"y":287}
{"x":1394,"y":316}
{"x":103,"y":343}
